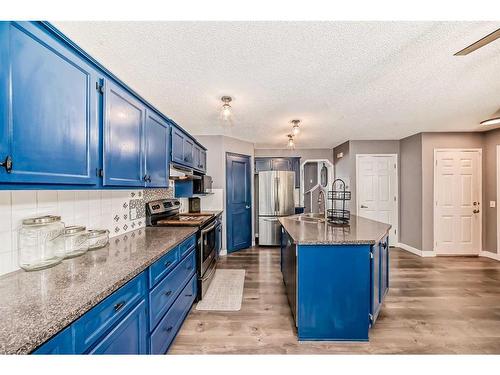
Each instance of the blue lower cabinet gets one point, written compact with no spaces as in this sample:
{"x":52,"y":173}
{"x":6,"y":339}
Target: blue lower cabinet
{"x":384,"y":267}
{"x":165,"y":293}
{"x":332,"y":299}
{"x":159,"y":269}
{"x":187,"y":246}
{"x":62,"y":343}
{"x":165,"y":332}
{"x":95,"y":323}
{"x":376,"y":299}
{"x":129,"y":336}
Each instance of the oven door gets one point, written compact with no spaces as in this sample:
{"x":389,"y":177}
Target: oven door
{"x":208,"y":245}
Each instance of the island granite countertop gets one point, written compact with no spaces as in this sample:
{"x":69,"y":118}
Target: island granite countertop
{"x":359,"y":231}
{"x":34,"y":306}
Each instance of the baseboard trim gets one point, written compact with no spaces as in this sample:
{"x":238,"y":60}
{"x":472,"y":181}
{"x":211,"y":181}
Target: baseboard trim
{"x":413,"y":250}
{"x":487,"y":254}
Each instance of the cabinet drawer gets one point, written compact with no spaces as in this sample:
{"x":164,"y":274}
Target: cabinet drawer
{"x":129,"y":336}
{"x":91,"y":326}
{"x":159,"y":269}
{"x":165,"y":293}
{"x":168,"y":327}
{"x":187,"y":246}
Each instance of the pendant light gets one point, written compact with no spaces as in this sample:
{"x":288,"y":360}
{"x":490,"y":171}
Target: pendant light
{"x":290,"y":143}
{"x":295,"y":127}
{"x":493,"y":120}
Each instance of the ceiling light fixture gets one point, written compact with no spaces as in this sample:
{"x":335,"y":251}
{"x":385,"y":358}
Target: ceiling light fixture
{"x":226,"y":111}
{"x":295,"y":127}
{"x":291,"y":143}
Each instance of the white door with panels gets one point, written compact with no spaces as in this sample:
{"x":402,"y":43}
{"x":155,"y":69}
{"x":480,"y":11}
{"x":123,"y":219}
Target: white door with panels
{"x":377,"y":190}
{"x":457,"y":202}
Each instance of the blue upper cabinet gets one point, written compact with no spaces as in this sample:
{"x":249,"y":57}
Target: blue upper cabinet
{"x":188,"y":152}
{"x":48,"y":121}
{"x":124,"y":117}
{"x":157,"y":138}
{"x":178,"y":146}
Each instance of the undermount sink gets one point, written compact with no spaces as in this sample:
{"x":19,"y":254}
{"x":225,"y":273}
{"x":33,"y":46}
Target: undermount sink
{"x":310,"y":218}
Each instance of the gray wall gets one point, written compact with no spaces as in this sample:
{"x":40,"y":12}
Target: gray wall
{"x":431,"y":141}
{"x":304,"y":154}
{"x":342,"y":165}
{"x":410,"y":187}
{"x":490,"y":142}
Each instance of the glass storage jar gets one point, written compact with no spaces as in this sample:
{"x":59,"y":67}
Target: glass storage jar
{"x":40,"y":242}
{"x":98,"y":238}
{"x":75,"y":241}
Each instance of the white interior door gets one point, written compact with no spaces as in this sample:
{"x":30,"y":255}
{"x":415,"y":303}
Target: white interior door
{"x":377,"y":190}
{"x":457,"y":198}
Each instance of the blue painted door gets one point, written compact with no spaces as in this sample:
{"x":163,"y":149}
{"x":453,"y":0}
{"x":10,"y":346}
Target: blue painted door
{"x":124,"y":117}
{"x":127,"y":337}
{"x":177,"y":146}
{"x":48,"y":121}
{"x":157,"y":139}
{"x":238,"y":202}
{"x":196,"y":157}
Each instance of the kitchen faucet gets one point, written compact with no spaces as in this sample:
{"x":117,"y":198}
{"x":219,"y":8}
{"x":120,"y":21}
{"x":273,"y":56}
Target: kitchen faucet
{"x":321,"y":202}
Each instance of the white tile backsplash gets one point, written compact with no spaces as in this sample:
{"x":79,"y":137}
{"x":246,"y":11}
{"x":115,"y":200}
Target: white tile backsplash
{"x":106,"y":209}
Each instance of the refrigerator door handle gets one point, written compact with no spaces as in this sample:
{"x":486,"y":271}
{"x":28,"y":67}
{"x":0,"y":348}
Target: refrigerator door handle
{"x":278,"y":194}
{"x":276,"y":201}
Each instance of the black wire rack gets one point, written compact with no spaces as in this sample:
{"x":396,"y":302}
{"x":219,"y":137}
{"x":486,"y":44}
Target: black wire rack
{"x":338,"y":196}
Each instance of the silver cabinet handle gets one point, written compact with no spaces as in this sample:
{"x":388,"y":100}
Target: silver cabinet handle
{"x":363,"y":206}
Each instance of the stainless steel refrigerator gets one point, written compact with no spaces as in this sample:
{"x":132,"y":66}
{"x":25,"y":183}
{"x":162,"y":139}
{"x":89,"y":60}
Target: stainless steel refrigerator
{"x":275,"y":200}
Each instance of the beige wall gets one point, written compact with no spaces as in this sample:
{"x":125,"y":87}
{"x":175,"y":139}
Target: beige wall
{"x":410,"y":187}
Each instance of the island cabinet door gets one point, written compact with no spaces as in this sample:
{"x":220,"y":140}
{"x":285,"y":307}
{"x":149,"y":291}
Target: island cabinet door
{"x":123,"y":155}
{"x":333,"y":292}
{"x":376,"y":297}
{"x":48,"y":110}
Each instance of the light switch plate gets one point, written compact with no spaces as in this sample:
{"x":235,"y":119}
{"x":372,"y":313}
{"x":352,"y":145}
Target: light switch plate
{"x":492,"y":204}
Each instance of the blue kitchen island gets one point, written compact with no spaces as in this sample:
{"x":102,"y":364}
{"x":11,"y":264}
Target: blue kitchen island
{"x":336,"y":276}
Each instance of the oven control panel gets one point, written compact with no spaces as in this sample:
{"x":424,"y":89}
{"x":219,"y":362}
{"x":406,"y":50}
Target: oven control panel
{"x":163,"y":205}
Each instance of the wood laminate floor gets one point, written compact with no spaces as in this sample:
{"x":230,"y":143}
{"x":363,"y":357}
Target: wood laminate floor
{"x":435,"y":305}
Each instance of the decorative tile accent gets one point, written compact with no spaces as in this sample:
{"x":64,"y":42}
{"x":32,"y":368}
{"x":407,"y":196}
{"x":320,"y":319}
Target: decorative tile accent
{"x":155,"y":194}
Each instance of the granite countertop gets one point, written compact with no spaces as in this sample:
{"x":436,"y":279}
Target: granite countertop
{"x":36,"y":305}
{"x":360,"y":231}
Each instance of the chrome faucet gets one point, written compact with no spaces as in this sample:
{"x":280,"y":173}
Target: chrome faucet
{"x":321,"y":202}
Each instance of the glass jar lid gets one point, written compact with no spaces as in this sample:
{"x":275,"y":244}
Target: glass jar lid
{"x":74,"y":229}
{"x":46,"y":219}
{"x":97,"y":232}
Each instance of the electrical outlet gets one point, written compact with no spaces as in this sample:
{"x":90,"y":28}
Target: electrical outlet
{"x":492,"y":204}
{"x":133,"y":213}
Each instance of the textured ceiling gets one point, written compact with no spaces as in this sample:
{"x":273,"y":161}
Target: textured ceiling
{"x":345,"y":80}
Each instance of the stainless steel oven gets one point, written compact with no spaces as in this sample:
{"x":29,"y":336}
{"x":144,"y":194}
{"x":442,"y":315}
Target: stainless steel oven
{"x":209,"y":246}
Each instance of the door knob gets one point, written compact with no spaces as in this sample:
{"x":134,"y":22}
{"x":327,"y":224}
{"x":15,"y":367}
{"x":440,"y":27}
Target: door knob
{"x":7,"y":164}
{"x":247,"y":207}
